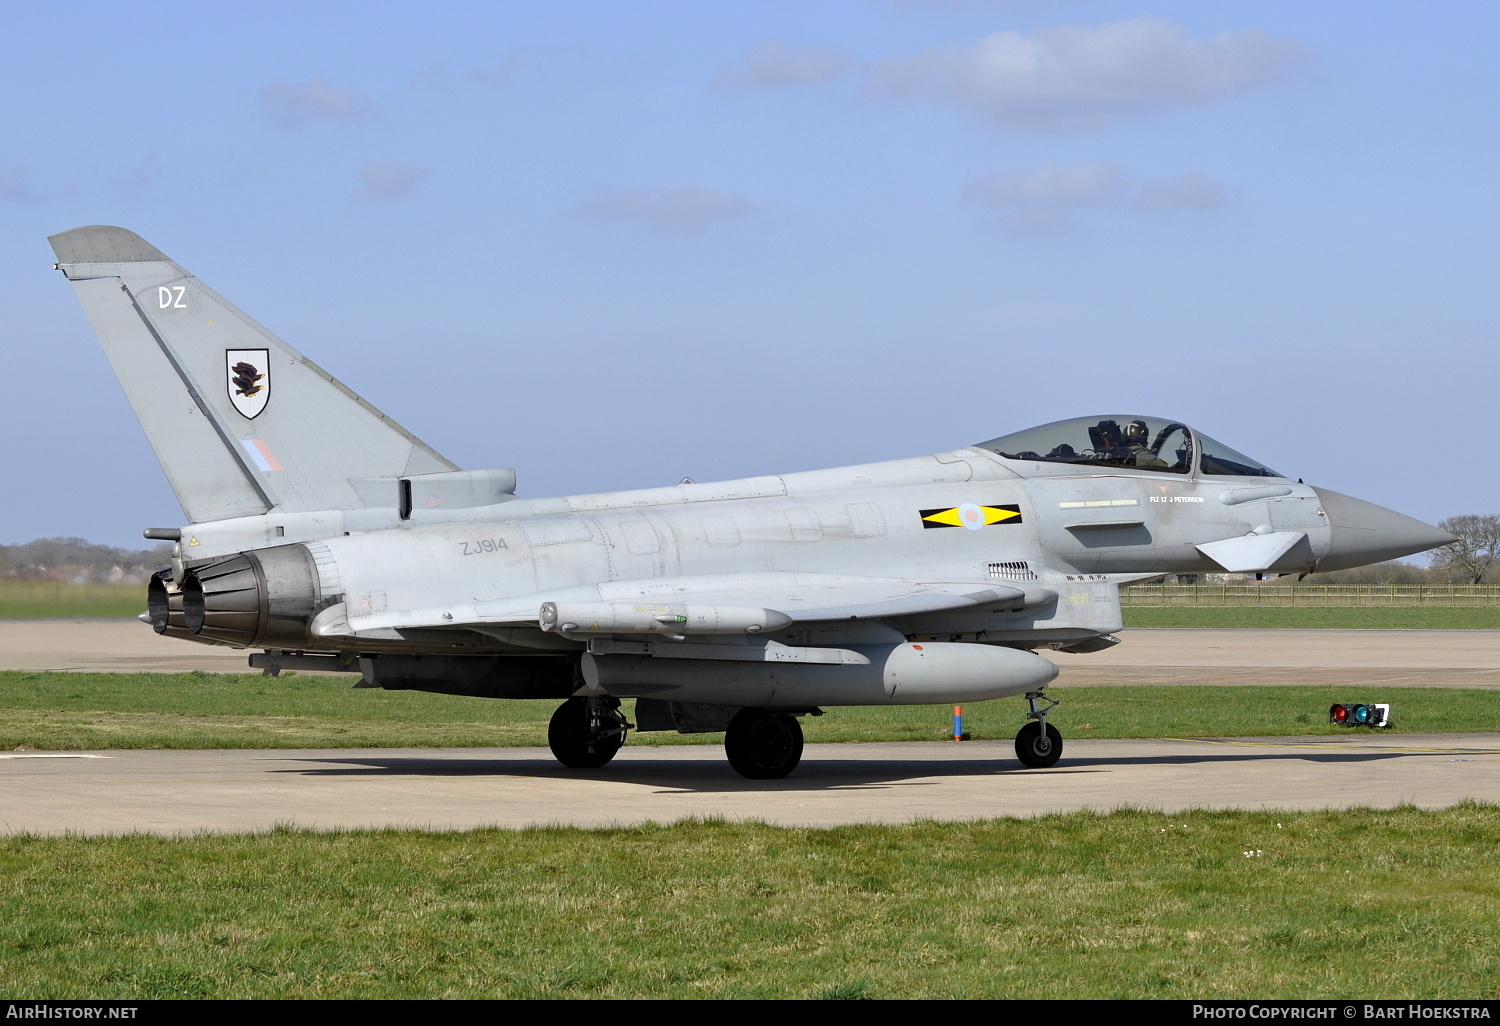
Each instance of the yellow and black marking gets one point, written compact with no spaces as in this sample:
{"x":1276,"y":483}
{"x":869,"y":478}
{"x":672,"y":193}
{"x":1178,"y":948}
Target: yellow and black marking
{"x":970,"y":516}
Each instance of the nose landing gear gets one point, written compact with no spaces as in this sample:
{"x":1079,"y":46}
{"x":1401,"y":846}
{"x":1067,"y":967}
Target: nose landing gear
{"x":585,"y":733}
{"x":1038,"y":744}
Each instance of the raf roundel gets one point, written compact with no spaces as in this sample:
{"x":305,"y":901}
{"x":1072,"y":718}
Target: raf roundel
{"x":247,"y":374}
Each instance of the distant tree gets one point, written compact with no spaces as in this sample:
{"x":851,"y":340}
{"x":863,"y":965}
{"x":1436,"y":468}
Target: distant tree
{"x":1477,"y":548}
{"x":75,"y":557}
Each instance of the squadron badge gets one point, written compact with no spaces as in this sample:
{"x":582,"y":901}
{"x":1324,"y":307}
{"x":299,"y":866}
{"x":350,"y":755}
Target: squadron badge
{"x":971,"y":516}
{"x":248,"y":374}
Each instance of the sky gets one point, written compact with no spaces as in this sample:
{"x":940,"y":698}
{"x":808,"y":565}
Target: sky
{"x":615,"y":244}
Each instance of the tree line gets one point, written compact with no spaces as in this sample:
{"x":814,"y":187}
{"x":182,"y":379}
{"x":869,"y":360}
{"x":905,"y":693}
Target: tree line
{"x":79,"y":561}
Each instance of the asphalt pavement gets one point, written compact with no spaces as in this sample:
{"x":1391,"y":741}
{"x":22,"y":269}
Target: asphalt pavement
{"x":182,"y":792}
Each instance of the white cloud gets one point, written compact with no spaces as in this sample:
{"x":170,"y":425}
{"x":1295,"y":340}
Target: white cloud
{"x":774,"y":62}
{"x":1037,"y":202}
{"x":440,"y":78}
{"x":295,"y":105}
{"x":1194,"y":191}
{"x":1036,"y":221}
{"x":686,"y":211}
{"x":16,"y":187}
{"x":1079,"y":76}
{"x":1096,"y":183}
{"x":501,"y":73}
{"x":133,"y":183}
{"x":388,"y":179}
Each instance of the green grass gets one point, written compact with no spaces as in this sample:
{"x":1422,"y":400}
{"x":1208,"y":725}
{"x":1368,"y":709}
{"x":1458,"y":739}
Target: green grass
{"x":60,"y":711}
{"x":1361,"y":904}
{"x":212,"y":710}
{"x":44,"y":600}
{"x":1318,"y":617}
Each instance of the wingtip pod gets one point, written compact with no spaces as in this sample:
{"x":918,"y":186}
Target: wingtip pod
{"x":103,"y":244}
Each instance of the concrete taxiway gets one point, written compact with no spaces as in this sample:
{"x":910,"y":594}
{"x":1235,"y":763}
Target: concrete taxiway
{"x":180,"y":792}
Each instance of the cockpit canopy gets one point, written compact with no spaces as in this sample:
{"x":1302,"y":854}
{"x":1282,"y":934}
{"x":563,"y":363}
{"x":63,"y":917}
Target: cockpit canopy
{"x":1127,"y":443}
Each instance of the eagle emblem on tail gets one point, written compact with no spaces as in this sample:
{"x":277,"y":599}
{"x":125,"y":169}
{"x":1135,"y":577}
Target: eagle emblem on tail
{"x":247,"y":376}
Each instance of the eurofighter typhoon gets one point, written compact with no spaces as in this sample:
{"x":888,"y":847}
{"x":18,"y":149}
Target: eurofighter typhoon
{"x":326,"y":536}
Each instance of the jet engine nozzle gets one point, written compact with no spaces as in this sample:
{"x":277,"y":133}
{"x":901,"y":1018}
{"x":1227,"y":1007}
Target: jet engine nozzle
{"x":262,"y":598}
{"x":173,"y":609}
{"x":1363,"y":533}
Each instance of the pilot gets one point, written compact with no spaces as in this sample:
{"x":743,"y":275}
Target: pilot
{"x":1138,"y":441}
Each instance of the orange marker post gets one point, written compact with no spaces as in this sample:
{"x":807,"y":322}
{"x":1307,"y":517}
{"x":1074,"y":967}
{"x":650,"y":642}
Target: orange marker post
{"x":958,"y":723}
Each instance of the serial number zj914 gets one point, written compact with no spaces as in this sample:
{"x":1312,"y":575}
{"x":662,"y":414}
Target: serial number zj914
{"x":480,"y":547}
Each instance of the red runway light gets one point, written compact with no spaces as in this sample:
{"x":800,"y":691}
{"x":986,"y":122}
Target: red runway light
{"x":1360,"y":714}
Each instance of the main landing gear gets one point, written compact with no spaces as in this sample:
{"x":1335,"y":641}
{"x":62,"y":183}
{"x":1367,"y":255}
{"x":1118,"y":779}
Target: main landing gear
{"x":1038,"y":744}
{"x":763,"y":745}
{"x":585,"y":733}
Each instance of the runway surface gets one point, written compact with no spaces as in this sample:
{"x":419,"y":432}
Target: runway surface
{"x":1467,"y":659}
{"x":181,"y":792}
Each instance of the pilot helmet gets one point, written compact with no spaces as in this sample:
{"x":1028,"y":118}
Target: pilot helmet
{"x":1137,"y":433}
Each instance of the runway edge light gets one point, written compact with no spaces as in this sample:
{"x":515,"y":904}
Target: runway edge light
{"x":1362,"y":714}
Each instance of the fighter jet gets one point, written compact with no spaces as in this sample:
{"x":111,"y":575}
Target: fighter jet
{"x":323,"y":535}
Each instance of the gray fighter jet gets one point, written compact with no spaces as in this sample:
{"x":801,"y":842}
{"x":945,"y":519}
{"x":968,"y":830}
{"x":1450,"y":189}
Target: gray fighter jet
{"x":325,"y":535}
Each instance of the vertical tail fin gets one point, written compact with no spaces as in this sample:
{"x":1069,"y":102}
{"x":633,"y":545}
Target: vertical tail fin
{"x":241,"y":422}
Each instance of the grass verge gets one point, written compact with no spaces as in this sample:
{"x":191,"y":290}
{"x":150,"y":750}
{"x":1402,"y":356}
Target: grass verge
{"x":49,"y":600}
{"x":202,"y":710}
{"x":1386,"y":618}
{"x":1361,"y":904}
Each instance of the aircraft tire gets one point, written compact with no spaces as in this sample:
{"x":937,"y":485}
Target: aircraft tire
{"x":763,"y":745}
{"x":569,"y":738}
{"x":1036,"y":751}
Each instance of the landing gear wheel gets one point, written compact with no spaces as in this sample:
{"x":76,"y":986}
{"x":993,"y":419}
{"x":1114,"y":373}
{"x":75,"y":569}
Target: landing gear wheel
{"x":1038,"y":749}
{"x":763,"y":745}
{"x":585,"y":733}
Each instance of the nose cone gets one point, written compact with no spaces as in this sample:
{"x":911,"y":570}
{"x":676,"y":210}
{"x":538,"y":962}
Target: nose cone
{"x":1364,"y":533}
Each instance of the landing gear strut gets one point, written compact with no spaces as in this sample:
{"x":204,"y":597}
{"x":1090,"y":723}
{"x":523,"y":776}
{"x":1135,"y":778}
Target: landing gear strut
{"x":1038,"y":744}
{"x":763,"y":745}
{"x":585,"y":733}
